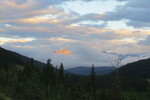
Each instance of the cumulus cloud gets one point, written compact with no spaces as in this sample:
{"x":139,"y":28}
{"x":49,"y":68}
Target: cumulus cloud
{"x":134,"y":11}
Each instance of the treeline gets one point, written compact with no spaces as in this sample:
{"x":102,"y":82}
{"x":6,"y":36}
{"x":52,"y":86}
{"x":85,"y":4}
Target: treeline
{"x":53,"y":83}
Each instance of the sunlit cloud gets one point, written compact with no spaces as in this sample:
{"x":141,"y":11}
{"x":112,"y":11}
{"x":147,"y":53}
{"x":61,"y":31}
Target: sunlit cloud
{"x":134,"y":40}
{"x":4,"y":40}
{"x":22,"y":46}
{"x":63,"y":51}
{"x":61,"y":40}
{"x":35,"y":20}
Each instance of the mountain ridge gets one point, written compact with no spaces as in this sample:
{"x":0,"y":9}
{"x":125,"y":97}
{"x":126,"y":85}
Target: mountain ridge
{"x":83,"y":70}
{"x":7,"y":56}
{"x":138,"y":69}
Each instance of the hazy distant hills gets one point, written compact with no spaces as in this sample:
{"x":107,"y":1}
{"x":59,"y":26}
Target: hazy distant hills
{"x":7,"y":56}
{"x":138,"y":69}
{"x":86,"y":70}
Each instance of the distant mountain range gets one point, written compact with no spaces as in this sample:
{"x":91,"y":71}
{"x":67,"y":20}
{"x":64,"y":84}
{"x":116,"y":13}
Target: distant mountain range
{"x":7,"y":56}
{"x":87,"y":70}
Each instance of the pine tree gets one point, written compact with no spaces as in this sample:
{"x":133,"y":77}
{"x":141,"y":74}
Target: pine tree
{"x":48,"y":73}
{"x":61,"y":73}
{"x":92,"y":83}
{"x":29,"y":68}
{"x":49,"y":78}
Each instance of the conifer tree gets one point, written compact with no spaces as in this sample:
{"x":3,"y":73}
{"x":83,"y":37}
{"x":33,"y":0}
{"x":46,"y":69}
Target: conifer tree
{"x":49,"y":73}
{"x":92,"y":83}
{"x":28,"y":69}
{"x":61,"y":73}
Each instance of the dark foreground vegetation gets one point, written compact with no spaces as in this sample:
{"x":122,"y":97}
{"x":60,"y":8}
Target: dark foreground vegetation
{"x":30,"y":83}
{"x":30,"y":80}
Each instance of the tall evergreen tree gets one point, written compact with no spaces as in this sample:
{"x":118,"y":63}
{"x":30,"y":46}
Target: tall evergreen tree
{"x":92,"y":83}
{"x":48,"y":73}
{"x":29,"y":68}
{"x":61,"y":73}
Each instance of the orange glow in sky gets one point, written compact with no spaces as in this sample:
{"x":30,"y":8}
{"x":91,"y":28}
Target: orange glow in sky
{"x":63,"y":51}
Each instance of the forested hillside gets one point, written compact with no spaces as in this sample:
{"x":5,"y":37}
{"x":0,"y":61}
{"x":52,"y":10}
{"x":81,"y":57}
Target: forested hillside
{"x":139,"y":69}
{"x":7,"y":56}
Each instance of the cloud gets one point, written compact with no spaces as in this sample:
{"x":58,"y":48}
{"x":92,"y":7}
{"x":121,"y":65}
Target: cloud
{"x":27,"y":9}
{"x":61,"y":40}
{"x":63,"y":51}
{"x":33,"y":21}
{"x":146,"y":41}
{"x":134,"y":11}
{"x":123,"y":56}
{"x":4,"y":40}
{"x":138,"y":24}
{"x":55,"y":2}
{"x":80,"y":18}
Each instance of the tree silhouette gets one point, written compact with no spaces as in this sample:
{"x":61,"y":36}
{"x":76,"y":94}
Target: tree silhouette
{"x":29,"y":68}
{"x":117,"y":85}
{"x":61,"y":73}
{"x":48,"y":73}
{"x":92,"y":83}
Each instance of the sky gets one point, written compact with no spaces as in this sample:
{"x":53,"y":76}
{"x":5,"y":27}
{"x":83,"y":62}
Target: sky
{"x":92,"y":31}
